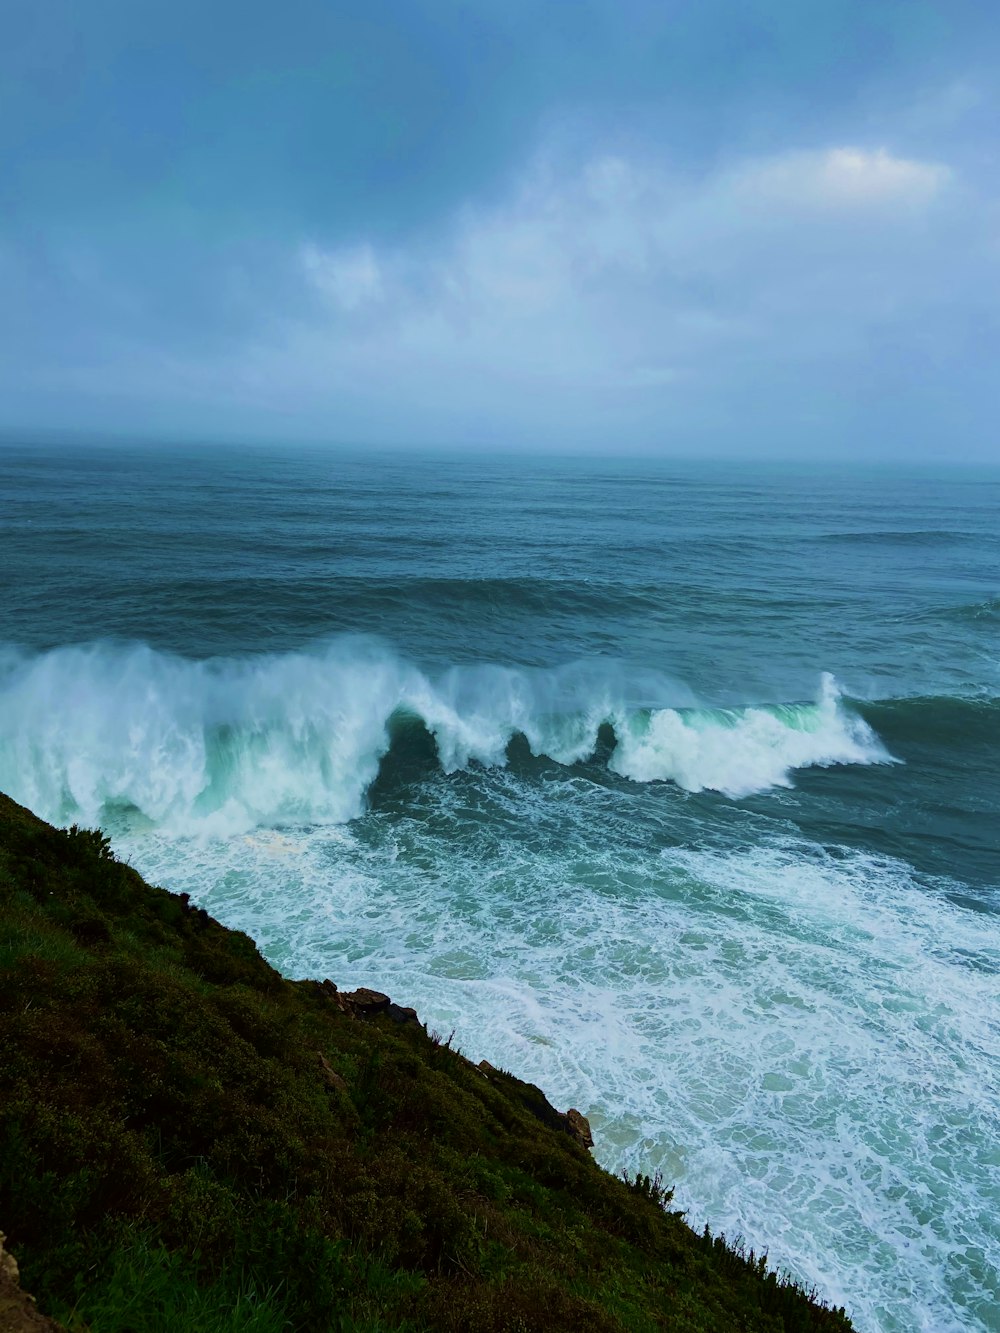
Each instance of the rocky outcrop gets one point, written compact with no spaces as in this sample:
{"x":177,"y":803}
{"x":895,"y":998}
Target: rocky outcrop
{"x":570,"y":1122}
{"x":365,"y":1003}
{"x":18,"y":1313}
{"x":578,"y":1126}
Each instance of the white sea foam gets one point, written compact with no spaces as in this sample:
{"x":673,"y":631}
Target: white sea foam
{"x":195,"y":746}
{"x":806,"y":1042}
{"x":229,"y":745}
{"x":739,"y":751}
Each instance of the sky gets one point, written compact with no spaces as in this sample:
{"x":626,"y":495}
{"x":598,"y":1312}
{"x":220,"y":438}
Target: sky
{"x":737,"y":227}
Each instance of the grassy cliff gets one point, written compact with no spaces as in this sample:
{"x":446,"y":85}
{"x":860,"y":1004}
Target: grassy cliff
{"x":190,"y":1141}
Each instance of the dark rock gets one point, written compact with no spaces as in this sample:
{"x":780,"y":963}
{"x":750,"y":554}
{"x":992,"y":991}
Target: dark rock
{"x":579,"y":1128}
{"x":571,"y":1122}
{"x":404,"y":1016}
{"x":365,"y":1003}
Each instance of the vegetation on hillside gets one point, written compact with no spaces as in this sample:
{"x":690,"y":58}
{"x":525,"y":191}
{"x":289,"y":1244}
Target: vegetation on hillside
{"x":190,"y":1141}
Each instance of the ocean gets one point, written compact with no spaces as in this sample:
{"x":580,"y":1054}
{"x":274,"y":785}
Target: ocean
{"x":671,"y":787}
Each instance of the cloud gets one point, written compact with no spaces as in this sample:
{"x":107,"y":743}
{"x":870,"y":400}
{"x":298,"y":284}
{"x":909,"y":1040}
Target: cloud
{"x":619,"y":278}
{"x":844,"y":179}
{"x":662,"y":226}
{"x":802,"y":299}
{"x":350,"y":279}
{"x":563,"y":234}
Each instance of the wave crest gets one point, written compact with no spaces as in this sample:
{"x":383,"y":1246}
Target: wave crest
{"x":226,"y":745}
{"x":745,"y":750}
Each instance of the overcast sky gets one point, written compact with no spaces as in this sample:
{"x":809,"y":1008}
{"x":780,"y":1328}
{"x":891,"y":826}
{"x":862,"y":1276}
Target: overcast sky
{"x":733,"y":226}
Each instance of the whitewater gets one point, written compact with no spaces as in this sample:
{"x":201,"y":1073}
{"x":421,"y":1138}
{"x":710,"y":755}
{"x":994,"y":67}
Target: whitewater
{"x":672,"y":789}
{"x":221,"y":747}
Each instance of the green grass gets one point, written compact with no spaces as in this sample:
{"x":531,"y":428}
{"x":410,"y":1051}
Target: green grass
{"x":190,"y":1141}
{"x":144,"y":1288}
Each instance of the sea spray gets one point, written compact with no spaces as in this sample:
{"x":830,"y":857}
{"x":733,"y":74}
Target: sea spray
{"x":231,"y":744}
{"x":738,"y":751}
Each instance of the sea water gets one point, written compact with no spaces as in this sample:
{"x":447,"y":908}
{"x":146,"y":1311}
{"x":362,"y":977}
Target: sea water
{"x":671,"y":787}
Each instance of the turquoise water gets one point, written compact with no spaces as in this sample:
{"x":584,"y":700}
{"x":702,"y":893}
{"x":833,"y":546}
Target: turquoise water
{"x":673,"y":788}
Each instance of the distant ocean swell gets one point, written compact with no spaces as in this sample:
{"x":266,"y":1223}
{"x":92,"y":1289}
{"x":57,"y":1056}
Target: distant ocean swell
{"x":225,"y":745}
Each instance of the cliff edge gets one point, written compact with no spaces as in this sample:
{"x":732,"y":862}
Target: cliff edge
{"x":189,"y":1140}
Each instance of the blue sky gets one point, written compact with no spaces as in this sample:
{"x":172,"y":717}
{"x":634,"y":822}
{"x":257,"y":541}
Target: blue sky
{"x":768,"y":227}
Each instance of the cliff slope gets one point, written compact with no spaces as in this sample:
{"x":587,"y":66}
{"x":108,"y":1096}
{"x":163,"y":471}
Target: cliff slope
{"x":190,"y":1141}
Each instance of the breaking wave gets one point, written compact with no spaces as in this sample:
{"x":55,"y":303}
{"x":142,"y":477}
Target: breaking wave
{"x":228,"y":744}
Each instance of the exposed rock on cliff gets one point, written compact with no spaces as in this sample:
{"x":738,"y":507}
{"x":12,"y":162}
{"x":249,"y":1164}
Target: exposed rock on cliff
{"x":18,"y":1312}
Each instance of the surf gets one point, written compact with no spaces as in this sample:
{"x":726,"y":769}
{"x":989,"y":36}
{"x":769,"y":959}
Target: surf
{"x":224,"y":745}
